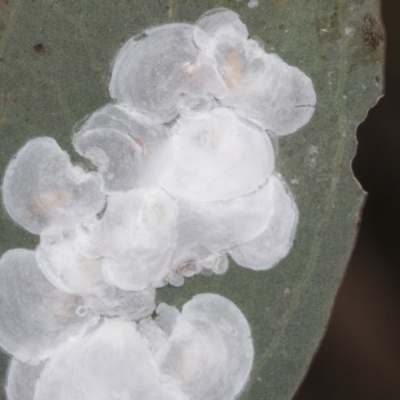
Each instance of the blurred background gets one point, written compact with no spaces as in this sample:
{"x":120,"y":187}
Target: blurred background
{"x":359,"y":357}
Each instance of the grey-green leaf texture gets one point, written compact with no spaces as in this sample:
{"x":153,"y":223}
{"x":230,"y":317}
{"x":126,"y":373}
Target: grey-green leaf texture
{"x":55,"y":63}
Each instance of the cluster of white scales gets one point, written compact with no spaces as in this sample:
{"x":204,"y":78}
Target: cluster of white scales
{"x":185,"y":176}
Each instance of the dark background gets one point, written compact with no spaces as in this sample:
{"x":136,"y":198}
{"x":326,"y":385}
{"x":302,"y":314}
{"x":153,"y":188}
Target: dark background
{"x":359,"y":357}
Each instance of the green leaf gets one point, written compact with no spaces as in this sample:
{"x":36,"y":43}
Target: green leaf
{"x":55,"y":58}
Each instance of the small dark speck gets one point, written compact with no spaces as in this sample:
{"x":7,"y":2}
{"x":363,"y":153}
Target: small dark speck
{"x":281,"y":26}
{"x":1,"y":59}
{"x":290,"y":153}
{"x":39,"y":48}
{"x":372,"y":36}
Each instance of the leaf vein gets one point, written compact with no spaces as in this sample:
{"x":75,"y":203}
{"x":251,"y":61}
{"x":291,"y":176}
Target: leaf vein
{"x":9,"y":27}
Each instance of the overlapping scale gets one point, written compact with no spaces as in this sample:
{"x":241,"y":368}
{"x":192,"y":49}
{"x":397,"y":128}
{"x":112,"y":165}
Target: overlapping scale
{"x":43,"y":192}
{"x":218,"y":157}
{"x":71,"y":272}
{"x":261,"y":86}
{"x":66,"y":268}
{"x":215,"y":21}
{"x":129,"y":150}
{"x":221,"y":225}
{"x":266,"y":90}
{"x":161,"y":74}
{"x":87,"y":237}
{"x":209,"y":351}
{"x":112,"y":362}
{"x":137,"y":238}
{"x":274,"y":243}
{"x":35,"y":316}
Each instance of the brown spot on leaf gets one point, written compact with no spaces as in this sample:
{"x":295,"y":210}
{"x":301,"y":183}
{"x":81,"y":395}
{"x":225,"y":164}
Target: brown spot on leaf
{"x":9,"y":98}
{"x":371,"y":33}
{"x":3,"y":4}
{"x":39,"y":48}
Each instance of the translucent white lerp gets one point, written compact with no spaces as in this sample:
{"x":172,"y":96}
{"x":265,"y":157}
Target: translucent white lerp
{"x":36,"y":318}
{"x":137,"y":238}
{"x":43,"y":192}
{"x":71,"y":272}
{"x":261,"y":86}
{"x":220,"y":225}
{"x":218,"y":157}
{"x":163,"y":73}
{"x":66,"y":268}
{"x":273,"y":244}
{"x":113,"y":362}
{"x":207,"y":348}
{"x":129,"y":150}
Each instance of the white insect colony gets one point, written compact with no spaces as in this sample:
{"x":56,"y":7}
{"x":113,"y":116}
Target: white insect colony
{"x":185,"y":176}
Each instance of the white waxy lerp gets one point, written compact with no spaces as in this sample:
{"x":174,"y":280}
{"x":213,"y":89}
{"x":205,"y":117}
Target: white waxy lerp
{"x":274,"y":243}
{"x":129,"y":150}
{"x":221,"y":225}
{"x":214,"y":21}
{"x":278,"y":97}
{"x":43,"y":192}
{"x":209,"y":351}
{"x":71,"y":272}
{"x":35,"y":317}
{"x":66,"y":268}
{"x":112,"y":362}
{"x":218,"y":157}
{"x":137,"y":238}
{"x":261,"y":86}
{"x":161,"y":74}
